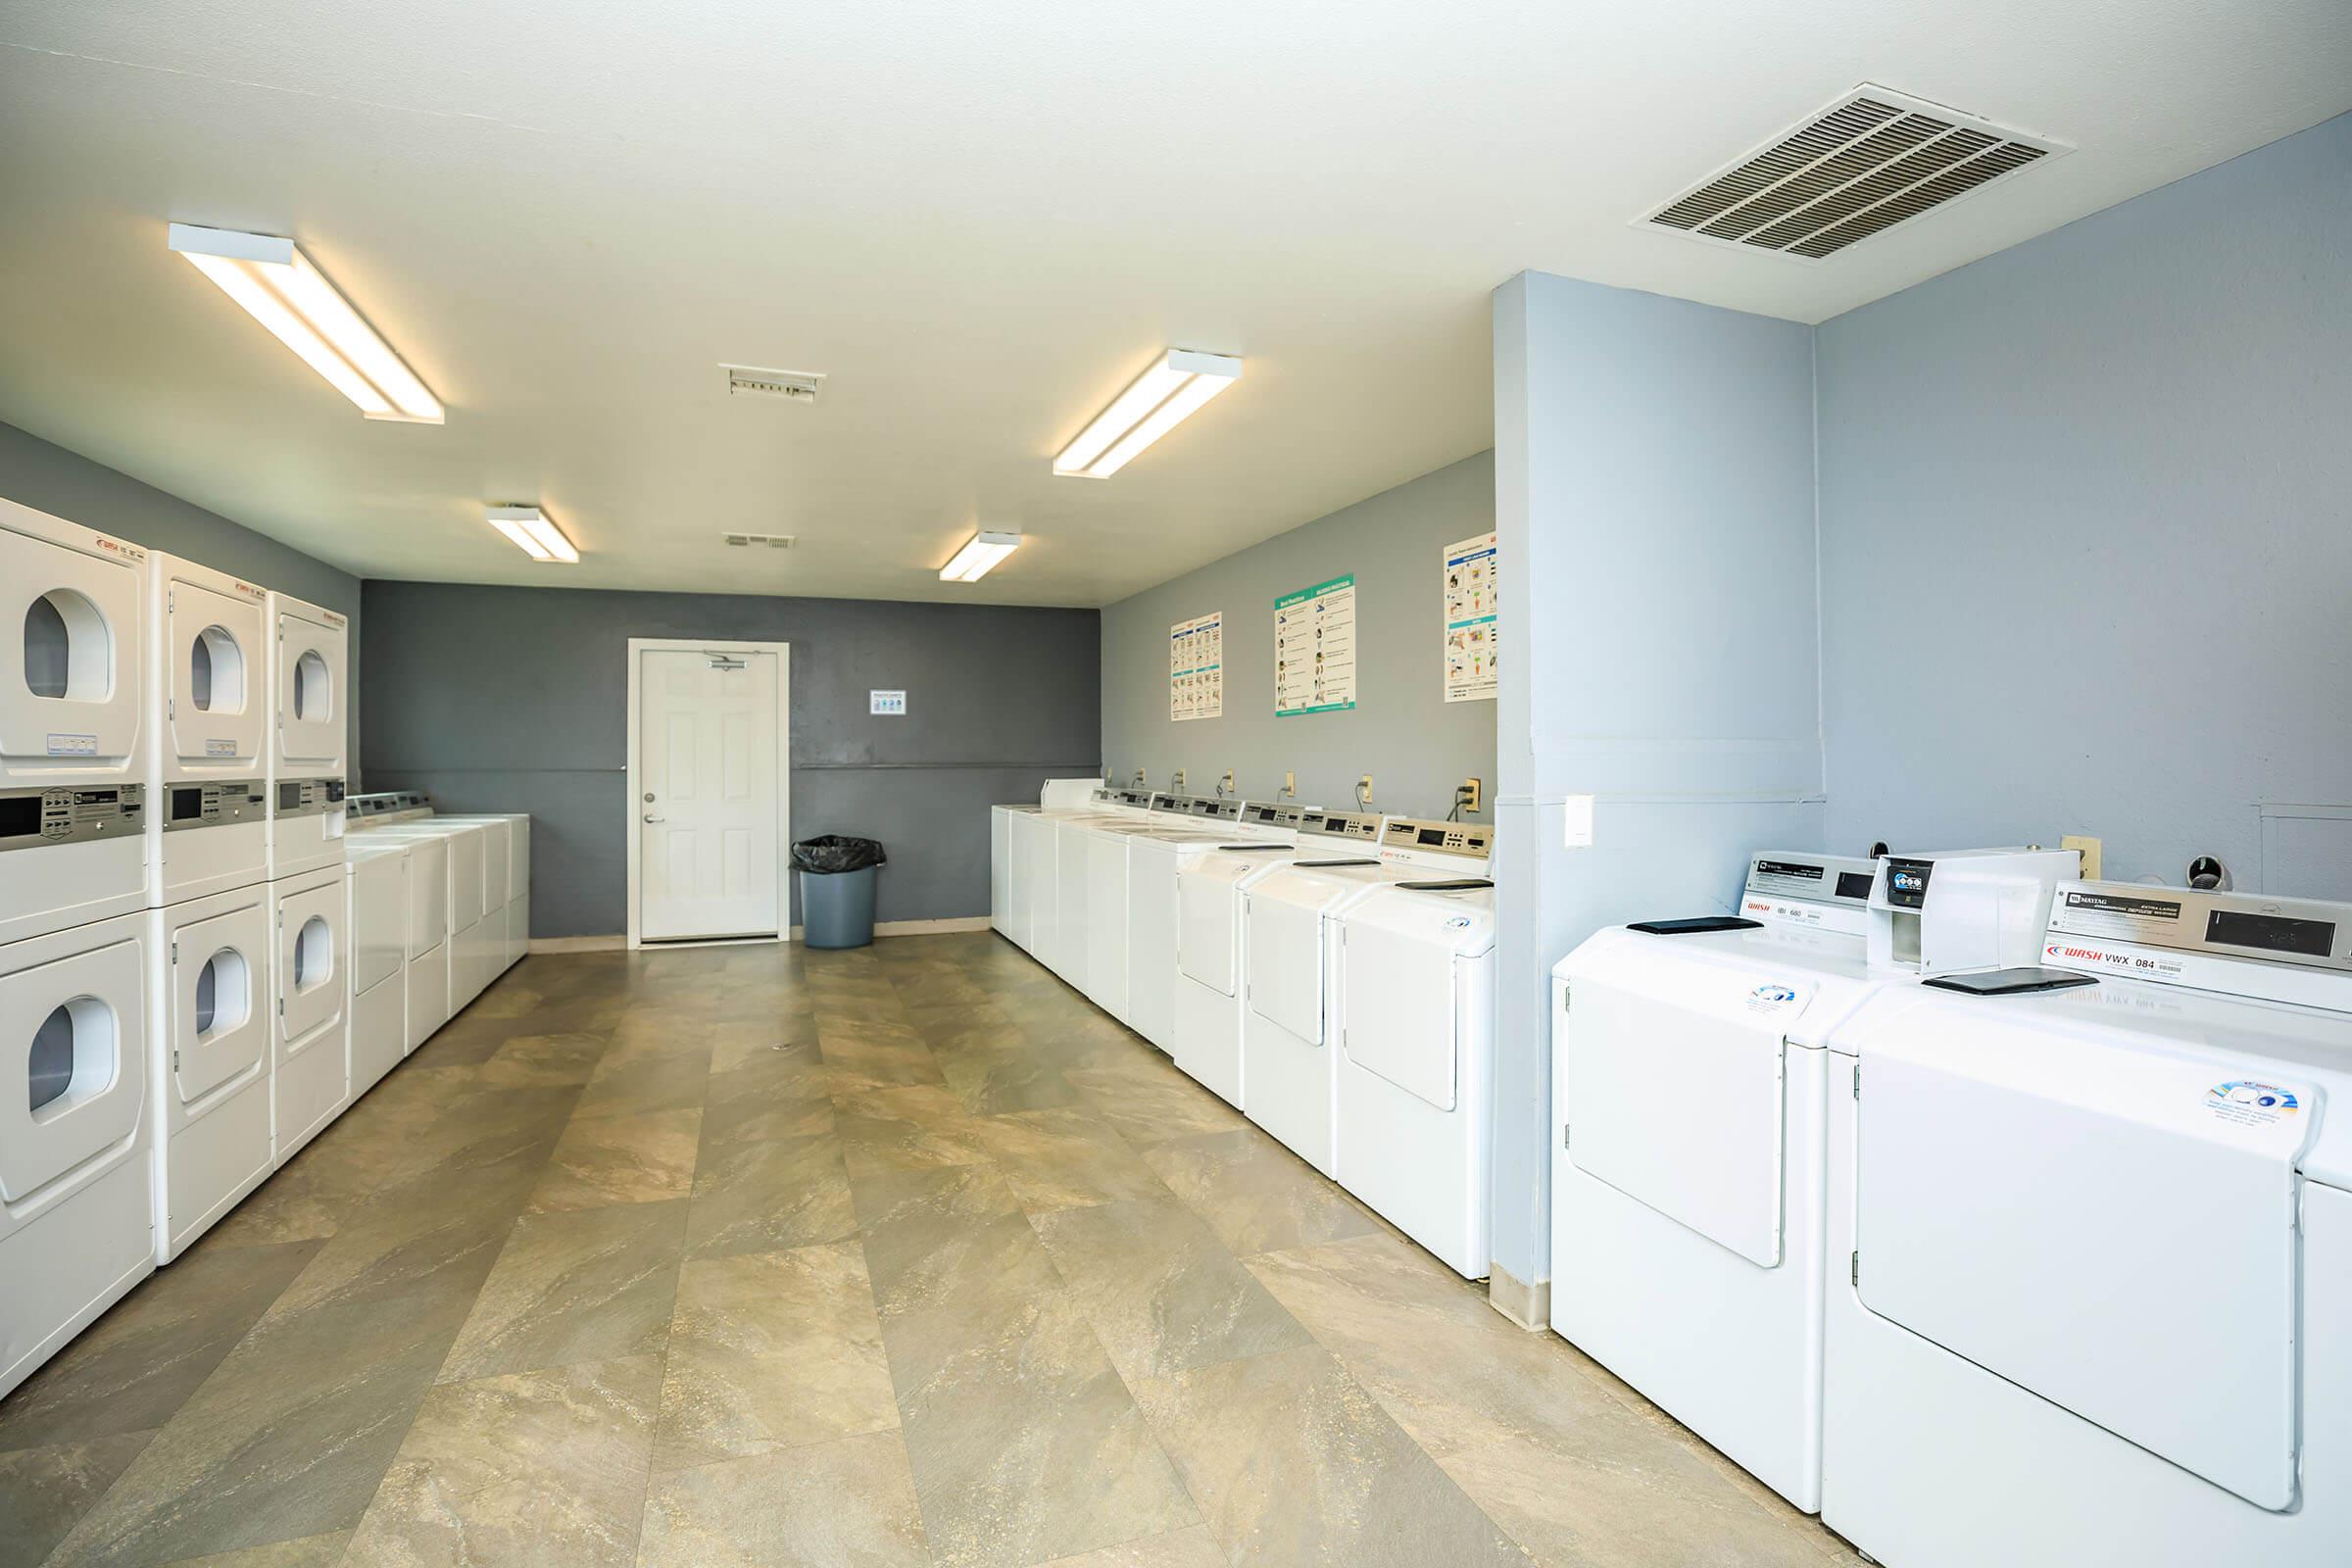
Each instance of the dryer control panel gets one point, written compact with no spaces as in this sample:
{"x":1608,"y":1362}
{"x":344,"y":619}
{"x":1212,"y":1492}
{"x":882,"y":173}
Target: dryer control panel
{"x":308,"y":797}
{"x":2230,"y":925}
{"x":31,"y":820}
{"x":187,"y":805}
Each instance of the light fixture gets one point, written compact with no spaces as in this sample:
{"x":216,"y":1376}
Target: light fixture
{"x":979,"y":556}
{"x":1178,"y":382}
{"x":278,"y":287}
{"x":534,"y":532}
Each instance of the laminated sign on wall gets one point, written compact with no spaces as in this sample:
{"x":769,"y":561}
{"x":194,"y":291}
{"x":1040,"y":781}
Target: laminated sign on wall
{"x":1469,"y":586}
{"x":1314,"y":649}
{"x":1197,"y":668}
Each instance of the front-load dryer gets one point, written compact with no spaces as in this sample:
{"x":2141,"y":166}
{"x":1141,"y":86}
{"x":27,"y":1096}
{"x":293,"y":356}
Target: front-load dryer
{"x":311,"y":1058}
{"x":208,"y":654}
{"x":1417,"y":1063}
{"x":77,"y":1195}
{"x":310,"y":687}
{"x":2090,"y":1249}
{"x":1689,"y":1088}
{"x":1290,"y":1007}
{"x":1211,"y":961}
{"x":376,"y":871}
{"x":209,"y":1011}
{"x":73,"y":742}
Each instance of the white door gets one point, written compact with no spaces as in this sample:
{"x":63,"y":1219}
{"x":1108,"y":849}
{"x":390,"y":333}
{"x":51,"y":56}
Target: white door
{"x":311,"y":686}
{"x":708,"y":816}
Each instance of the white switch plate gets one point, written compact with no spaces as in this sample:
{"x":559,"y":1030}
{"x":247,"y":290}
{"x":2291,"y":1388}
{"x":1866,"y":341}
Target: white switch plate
{"x":1576,"y":821}
{"x":892,"y":703}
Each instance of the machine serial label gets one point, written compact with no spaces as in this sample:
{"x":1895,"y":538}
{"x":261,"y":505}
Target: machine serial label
{"x":2122,"y":916}
{"x":72,"y":746}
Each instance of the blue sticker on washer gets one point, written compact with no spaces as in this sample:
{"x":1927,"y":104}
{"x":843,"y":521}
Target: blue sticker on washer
{"x":1771,"y":997}
{"x":2251,"y":1103}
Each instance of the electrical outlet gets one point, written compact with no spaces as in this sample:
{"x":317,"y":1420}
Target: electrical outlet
{"x":2089,"y":850}
{"x":1470,"y":793}
{"x":1290,"y":785}
{"x":1180,"y":781}
{"x":1363,"y":790}
{"x":1226,"y":784}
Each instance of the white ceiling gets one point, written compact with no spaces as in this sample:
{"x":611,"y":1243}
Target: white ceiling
{"x":979,"y":221}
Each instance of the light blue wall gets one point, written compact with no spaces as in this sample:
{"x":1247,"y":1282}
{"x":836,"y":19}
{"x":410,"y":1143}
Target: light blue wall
{"x":2087,"y":531}
{"x":1416,"y":746}
{"x":1654,"y":493}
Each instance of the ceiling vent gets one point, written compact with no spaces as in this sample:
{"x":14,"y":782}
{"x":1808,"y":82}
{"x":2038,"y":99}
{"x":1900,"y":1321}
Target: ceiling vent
{"x":783,"y":386}
{"x":1871,"y":159}
{"x":769,"y":541}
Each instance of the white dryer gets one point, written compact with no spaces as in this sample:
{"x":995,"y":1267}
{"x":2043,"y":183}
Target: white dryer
{"x":1689,"y":1084}
{"x":1416,"y":1062}
{"x":73,"y":742}
{"x":1289,"y":955}
{"x":1181,"y":829}
{"x":77,"y":1195}
{"x":375,"y":870}
{"x":210,"y":1016}
{"x":310,"y":689}
{"x":208,"y":657}
{"x":311,"y":1039}
{"x":1211,"y":963}
{"x":2091,"y":1249}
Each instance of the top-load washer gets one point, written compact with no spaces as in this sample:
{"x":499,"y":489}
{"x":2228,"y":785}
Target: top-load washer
{"x":463,"y":844}
{"x":375,"y":870}
{"x":1416,"y":1062}
{"x":1211,"y":961}
{"x":1035,"y":844}
{"x":1690,"y":1086}
{"x":77,"y":1204}
{"x":309,"y":684}
{"x":2091,"y":1249}
{"x":1182,"y":828}
{"x":1289,"y":955}
{"x":74,"y":741}
{"x":208,"y":655}
{"x":1092,"y":855}
{"x":425,"y":975}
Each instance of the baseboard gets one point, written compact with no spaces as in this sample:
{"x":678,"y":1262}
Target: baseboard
{"x":1528,"y":1306}
{"x":577,"y":944}
{"x":921,"y":929}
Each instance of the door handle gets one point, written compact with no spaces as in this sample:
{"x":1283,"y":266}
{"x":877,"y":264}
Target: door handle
{"x":651,"y":817}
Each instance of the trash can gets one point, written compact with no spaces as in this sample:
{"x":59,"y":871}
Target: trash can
{"x":837,"y":890}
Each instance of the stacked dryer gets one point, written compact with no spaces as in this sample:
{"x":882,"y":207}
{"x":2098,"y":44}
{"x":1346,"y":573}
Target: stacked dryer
{"x":77,"y":1195}
{"x":210,"y":1002}
{"x":310,"y":925}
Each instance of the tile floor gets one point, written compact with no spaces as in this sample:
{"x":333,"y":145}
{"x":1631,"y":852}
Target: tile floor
{"x":767,"y":1257}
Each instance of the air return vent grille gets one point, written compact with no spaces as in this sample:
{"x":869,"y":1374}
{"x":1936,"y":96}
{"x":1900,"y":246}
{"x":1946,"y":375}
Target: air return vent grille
{"x":782,"y":386}
{"x":1868,"y":162}
{"x":766,"y":541}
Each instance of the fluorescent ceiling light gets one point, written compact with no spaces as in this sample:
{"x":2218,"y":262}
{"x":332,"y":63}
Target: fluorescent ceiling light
{"x":278,"y":287}
{"x":534,"y":532}
{"x":1178,"y":382}
{"x":979,"y":557}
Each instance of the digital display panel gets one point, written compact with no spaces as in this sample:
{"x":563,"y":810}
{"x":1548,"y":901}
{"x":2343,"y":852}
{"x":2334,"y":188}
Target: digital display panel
{"x":186,"y":804}
{"x":1431,"y":836}
{"x":19,"y":816}
{"x":289,"y":796}
{"x":2272,"y":933}
{"x":1853,"y":884}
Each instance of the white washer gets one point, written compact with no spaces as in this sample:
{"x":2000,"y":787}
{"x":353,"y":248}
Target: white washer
{"x":376,"y":870}
{"x":310,"y":685}
{"x":489,"y":950}
{"x":501,"y":935}
{"x":73,"y":742}
{"x":1416,"y":1060}
{"x":77,"y":1195}
{"x":1103,"y":841}
{"x":311,"y":1042}
{"x":462,"y":908}
{"x":1058,"y":798}
{"x":210,"y":1016}
{"x":1182,"y":828}
{"x":1289,"y":956}
{"x":1211,"y":964}
{"x":208,"y":706}
{"x":2092,"y":1250}
{"x":1689,"y":1081}
{"x":426,"y":976}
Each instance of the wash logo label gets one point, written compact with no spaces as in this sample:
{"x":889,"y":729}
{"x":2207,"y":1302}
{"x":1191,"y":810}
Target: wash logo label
{"x":1771,"y":997}
{"x":2249,"y":1104}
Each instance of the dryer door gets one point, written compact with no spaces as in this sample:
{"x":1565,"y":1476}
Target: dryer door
{"x":70,"y":661}
{"x":312,"y":953}
{"x":1286,"y":956}
{"x":214,"y":666}
{"x":219,"y":1018}
{"x":2099,"y":1224}
{"x":311,"y":693}
{"x":72,"y":1056}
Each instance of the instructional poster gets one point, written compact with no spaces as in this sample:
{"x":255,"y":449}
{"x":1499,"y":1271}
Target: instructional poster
{"x":1314,"y":649}
{"x":1197,"y":668}
{"x":1470,"y":620}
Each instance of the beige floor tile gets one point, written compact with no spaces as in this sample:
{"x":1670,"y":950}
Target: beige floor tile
{"x":44,"y":1491}
{"x":620,"y":1160}
{"x":1256,"y":1194}
{"x":1196,"y":1548}
{"x":595,"y":1285}
{"x":311,"y":1551}
{"x":847,"y":1503}
{"x":765,"y":1196}
{"x":1067,"y":1158}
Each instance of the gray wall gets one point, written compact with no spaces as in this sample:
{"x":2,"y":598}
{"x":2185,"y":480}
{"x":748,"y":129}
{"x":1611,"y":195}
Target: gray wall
{"x":2085,"y":535}
{"x":1654,"y":501}
{"x":1416,"y":746}
{"x":515,"y":699}
{"x":64,"y":484}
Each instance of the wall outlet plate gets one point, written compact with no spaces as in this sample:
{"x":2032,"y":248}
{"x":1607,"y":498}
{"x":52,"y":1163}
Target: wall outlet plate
{"x":1576,"y":821}
{"x":2089,"y":848}
{"x":1363,"y":790}
{"x":1227,"y":784}
{"x":1471,"y":792}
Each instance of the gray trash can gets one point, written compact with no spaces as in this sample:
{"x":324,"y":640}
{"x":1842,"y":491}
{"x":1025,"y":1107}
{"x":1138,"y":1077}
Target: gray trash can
{"x":837,"y":890}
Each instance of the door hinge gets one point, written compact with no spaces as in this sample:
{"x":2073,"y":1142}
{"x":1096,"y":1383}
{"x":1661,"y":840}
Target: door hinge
{"x":1567,"y":1000}
{"x":1854,"y":1270}
{"x":1563,"y":1135}
{"x":170,"y":707}
{"x":175,"y":1059}
{"x":170,"y":598}
{"x":175,"y":953}
{"x":1857,"y":1082}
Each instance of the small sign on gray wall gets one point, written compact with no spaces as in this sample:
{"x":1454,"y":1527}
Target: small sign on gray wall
{"x":891,"y":703}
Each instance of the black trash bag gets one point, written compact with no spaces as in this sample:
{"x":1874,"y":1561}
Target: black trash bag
{"x":833,"y":854}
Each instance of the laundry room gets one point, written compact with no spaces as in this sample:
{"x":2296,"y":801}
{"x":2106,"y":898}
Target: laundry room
{"x":1015,"y":789}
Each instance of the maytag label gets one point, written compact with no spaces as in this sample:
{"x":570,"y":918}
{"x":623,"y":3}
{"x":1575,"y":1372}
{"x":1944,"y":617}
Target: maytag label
{"x":220,"y":748}
{"x":72,"y":746}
